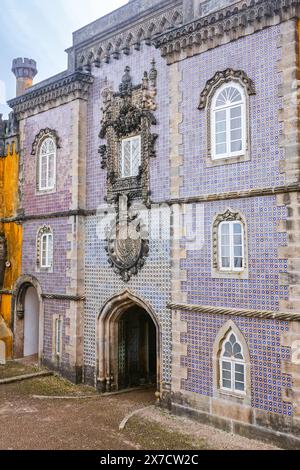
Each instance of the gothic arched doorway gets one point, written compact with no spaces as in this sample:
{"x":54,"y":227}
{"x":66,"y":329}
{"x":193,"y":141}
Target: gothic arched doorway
{"x":136,"y":349}
{"x":129,"y":345}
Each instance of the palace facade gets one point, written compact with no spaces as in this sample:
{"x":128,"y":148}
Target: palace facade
{"x":149,"y":219}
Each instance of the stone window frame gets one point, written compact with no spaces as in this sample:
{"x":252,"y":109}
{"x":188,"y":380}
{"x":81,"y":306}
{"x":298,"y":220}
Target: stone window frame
{"x":43,"y":231}
{"x":206,"y":100}
{"x":218,"y":392}
{"x":36,"y":148}
{"x":229,"y":215}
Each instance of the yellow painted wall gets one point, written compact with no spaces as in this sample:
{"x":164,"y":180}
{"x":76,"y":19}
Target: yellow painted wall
{"x":9,"y":175}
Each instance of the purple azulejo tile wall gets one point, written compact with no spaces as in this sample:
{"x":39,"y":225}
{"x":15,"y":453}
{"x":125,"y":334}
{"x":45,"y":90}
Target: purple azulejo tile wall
{"x":261,"y":288}
{"x":263,"y":337}
{"x":59,"y":199}
{"x":256,"y":55}
{"x":51,"y":282}
{"x":110,"y":76}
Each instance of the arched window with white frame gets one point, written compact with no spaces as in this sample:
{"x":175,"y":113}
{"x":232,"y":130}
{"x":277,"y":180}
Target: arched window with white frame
{"x":228,"y":121}
{"x":45,"y":249}
{"x":231,"y":245}
{"x":232,"y":365}
{"x":47,"y":164}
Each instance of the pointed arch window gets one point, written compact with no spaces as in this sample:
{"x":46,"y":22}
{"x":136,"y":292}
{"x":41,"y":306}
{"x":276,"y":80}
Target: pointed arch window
{"x":232,"y":365}
{"x":228,"y":121}
{"x":47,"y":164}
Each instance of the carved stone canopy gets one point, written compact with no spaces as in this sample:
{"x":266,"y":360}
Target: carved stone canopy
{"x":225,"y":76}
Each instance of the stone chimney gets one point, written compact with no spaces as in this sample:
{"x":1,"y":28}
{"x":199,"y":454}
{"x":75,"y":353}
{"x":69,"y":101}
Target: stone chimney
{"x":24,"y":70}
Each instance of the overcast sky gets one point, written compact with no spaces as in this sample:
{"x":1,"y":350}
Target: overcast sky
{"x":42,"y":30}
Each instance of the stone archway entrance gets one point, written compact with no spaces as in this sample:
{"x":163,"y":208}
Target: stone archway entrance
{"x":27,"y":319}
{"x":129,"y":345}
{"x":136,"y":349}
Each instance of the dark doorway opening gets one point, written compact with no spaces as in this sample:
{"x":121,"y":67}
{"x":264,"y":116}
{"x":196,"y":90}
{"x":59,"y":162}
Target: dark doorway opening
{"x":137,"y":349}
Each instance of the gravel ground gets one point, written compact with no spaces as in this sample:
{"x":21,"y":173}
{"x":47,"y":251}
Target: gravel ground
{"x":56,"y":424}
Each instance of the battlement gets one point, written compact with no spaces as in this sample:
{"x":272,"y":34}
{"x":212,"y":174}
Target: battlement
{"x":24,"y":68}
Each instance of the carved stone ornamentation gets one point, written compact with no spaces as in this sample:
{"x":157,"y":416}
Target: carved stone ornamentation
{"x":43,"y":134}
{"x":126,"y":254}
{"x":127,"y":113}
{"x":226,"y":76}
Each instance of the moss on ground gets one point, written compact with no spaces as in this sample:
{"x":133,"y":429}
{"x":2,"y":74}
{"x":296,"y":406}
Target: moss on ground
{"x":52,"y":386}
{"x":14,"y":369}
{"x":150,"y":435}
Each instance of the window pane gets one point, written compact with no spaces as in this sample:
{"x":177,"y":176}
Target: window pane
{"x":221,"y":149}
{"x":236,"y":112}
{"x":236,"y":146}
{"x":135,"y":156}
{"x":225,"y":262}
{"x":226,"y":383}
{"x":221,"y":138}
{"x":51,"y":171}
{"x":50,"y":250}
{"x":235,"y":124}
{"x":225,"y":229}
{"x":239,"y":368}
{"x":238,"y":263}
{"x":237,"y":228}
{"x":226,"y":365}
{"x":240,"y":387}
{"x":238,"y":251}
{"x":236,"y":134}
{"x":220,"y":126}
{"x":125,"y":171}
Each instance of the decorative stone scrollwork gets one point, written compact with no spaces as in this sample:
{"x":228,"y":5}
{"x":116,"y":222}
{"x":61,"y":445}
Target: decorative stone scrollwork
{"x":127,"y":113}
{"x":223,"y":77}
{"x":43,"y":134}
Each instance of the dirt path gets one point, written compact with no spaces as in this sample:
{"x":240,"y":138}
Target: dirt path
{"x":29,"y":423}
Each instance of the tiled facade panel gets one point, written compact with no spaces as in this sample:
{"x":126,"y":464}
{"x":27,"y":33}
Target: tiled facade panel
{"x":152,"y":285}
{"x":60,"y":120}
{"x":263,"y":337}
{"x":110,"y":75}
{"x":51,"y":308}
{"x":262,"y":290}
{"x":57,"y":281}
{"x":257,"y":55}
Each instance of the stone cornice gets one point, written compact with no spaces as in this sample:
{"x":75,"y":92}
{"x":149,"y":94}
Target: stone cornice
{"x":223,"y":26}
{"x":259,"y":192}
{"x":261,"y":314}
{"x":58,"y":92}
{"x":74,"y":298}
